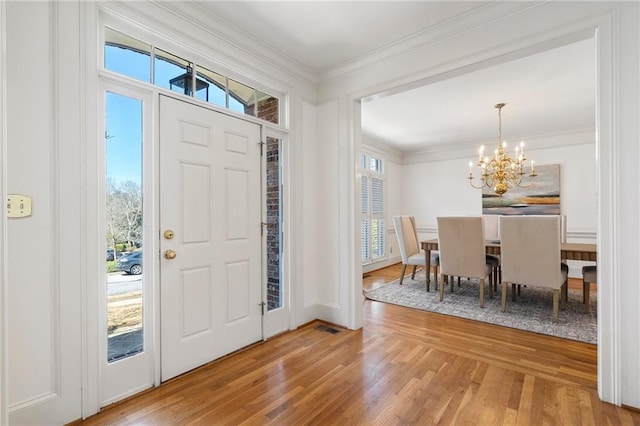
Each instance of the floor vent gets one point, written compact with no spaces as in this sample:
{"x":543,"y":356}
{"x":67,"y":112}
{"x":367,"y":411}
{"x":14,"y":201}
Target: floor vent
{"x":327,"y":329}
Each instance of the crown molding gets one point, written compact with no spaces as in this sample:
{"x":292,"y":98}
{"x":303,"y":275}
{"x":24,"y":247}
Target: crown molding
{"x":541,"y":141}
{"x":390,"y":153}
{"x":210,"y":21}
{"x":484,"y":15}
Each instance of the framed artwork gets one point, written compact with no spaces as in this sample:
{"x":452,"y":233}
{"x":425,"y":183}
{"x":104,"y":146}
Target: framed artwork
{"x":541,"y":197}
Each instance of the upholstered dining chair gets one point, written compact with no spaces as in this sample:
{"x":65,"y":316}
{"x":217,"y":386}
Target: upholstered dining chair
{"x":589,"y":275}
{"x":461,"y":244}
{"x":492,"y":234}
{"x":530,"y":255}
{"x":410,"y":251}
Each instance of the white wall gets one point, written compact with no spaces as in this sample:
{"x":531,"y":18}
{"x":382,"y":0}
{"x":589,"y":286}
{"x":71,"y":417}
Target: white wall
{"x":311,"y":252}
{"x":43,"y":273}
{"x":440,"y":188}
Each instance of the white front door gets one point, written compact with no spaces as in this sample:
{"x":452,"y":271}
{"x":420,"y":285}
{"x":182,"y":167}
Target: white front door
{"x":211,"y":292}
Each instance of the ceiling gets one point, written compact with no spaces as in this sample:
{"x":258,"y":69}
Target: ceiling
{"x":546,"y":93}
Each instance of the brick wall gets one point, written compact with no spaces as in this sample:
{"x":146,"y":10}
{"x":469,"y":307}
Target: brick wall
{"x":274,"y":293}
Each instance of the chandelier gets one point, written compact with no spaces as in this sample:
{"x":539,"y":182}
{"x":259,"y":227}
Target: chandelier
{"x":502,"y":172}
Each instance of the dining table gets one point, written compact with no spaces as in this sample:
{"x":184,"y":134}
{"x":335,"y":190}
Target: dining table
{"x":568,"y":251}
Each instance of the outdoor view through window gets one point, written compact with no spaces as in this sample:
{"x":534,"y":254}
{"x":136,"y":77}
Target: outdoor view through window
{"x":124,"y":226}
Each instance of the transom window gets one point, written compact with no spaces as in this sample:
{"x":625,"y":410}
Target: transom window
{"x":136,"y":59}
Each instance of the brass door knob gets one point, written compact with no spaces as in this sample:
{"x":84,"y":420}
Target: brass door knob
{"x":168,"y":234}
{"x":169,"y":254}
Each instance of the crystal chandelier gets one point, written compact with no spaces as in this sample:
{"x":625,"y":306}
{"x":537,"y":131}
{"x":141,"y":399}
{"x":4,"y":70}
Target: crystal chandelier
{"x":502,"y":172}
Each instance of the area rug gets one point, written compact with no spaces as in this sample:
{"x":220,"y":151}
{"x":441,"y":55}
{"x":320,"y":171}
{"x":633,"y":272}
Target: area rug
{"x":532,"y":310}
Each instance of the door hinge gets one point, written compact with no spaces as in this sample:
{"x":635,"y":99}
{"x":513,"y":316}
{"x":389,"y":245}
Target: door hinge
{"x":261,"y":148}
{"x":262,"y":305}
{"x":263,"y":225}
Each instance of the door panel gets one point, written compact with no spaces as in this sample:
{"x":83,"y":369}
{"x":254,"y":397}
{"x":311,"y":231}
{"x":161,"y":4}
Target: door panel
{"x":210,"y":199}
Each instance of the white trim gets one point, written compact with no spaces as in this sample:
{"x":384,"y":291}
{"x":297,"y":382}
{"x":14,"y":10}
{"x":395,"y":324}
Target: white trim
{"x":534,"y":142}
{"x":609,"y":330}
{"x":4,"y":326}
{"x":283,"y":315}
{"x":89,"y":130}
{"x":483,"y":16}
{"x":143,"y":364}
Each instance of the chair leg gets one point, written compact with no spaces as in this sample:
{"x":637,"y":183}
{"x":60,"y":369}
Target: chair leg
{"x":426,"y":275}
{"x":458,"y":281}
{"x":492,"y":286}
{"x":413,"y":274}
{"x":586,"y":289}
{"x":513,"y":292}
{"x":482,"y":293}
{"x":442,"y":285}
{"x":435,"y":277}
{"x":556,"y":299}
{"x":504,"y":297}
{"x":565,"y":291}
{"x":450,"y":281}
{"x":404,"y":268}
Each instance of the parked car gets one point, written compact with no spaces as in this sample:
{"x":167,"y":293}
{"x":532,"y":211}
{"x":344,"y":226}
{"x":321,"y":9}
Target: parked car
{"x":130,"y":263}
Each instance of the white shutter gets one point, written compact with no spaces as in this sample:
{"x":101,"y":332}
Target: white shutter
{"x":365,"y":195}
{"x":373,"y":209}
{"x":377,"y":196}
{"x":364,"y":229}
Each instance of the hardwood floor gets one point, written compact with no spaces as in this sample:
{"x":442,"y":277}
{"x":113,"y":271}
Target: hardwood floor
{"x":403,"y":367}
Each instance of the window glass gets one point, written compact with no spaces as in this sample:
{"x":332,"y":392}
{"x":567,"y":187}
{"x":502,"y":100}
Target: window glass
{"x":216,"y":92}
{"x":131,"y":57}
{"x":268,"y":107}
{"x":123,"y":214}
{"x":172,"y":72}
{"x":363,"y":161}
{"x":242,"y":98}
{"x":375,"y":165}
{"x":275,"y":289}
{"x":126,"y":55}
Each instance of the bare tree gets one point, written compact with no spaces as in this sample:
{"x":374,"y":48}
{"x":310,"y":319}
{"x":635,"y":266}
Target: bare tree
{"x":124,"y":212}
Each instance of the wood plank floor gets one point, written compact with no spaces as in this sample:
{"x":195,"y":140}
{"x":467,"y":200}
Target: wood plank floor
{"x":403,"y":367}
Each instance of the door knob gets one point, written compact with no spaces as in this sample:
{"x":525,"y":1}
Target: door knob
{"x":169,"y":254}
{"x":168,"y":234}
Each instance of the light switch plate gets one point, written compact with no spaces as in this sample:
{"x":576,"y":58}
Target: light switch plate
{"x":18,"y":205}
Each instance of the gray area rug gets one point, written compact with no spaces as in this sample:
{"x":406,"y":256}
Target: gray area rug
{"x":532,"y":310}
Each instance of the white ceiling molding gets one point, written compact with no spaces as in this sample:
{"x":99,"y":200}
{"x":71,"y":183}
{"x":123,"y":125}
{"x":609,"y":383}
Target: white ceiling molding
{"x":469,"y":152}
{"x":378,"y":146}
{"x":207,"y":20}
{"x":484,"y":15}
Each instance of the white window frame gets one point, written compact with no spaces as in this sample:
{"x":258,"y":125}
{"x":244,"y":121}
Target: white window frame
{"x":369,"y":216}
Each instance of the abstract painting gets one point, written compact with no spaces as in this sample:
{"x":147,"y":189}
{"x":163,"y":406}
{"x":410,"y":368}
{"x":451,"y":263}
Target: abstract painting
{"x":541,"y":197}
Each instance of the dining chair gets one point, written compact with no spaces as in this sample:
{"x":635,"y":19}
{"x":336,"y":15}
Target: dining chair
{"x":492,"y":234}
{"x":461,"y":244}
{"x":410,"y":251}
{"x":589,"y":275}
{"x":530,"y":254}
